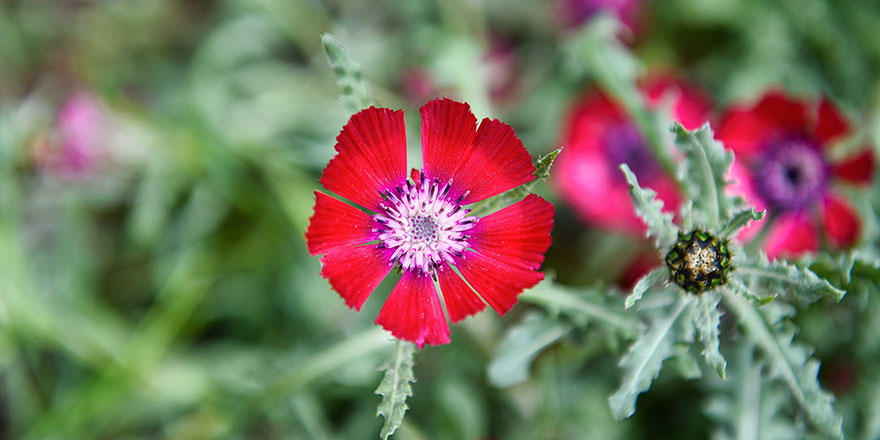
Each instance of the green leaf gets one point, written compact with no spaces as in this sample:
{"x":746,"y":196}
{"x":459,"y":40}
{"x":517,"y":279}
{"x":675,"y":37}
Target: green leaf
{"x":642,"y":286}
{"x":780,"y":276}
{"x":748,"y":408}
{"x":642,"y":363}
{"x":395,"y":387}
{"x":582,"y":305}
{"x":520,"y":346}
{"x":650,"y":209}
{"x":708,"y":320}
{"x":348,"y":74}
{"x":788,"y":361}
{"x":704,"y":173}
{"x":739,"y":220}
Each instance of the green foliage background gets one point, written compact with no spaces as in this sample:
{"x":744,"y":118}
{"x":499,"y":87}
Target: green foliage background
{"x":168,"y":293}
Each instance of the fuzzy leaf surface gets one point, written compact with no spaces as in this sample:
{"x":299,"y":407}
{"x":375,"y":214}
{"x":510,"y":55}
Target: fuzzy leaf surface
{"x":740,"y":220}
{"x":582,"y":306}
{"x":643,"y":362}
{"x":646,"y":282}
{"x":395,"y":387}
{"x":708,"y":320}
{"x":703,"y":174}
{"x":650,"y":209}
{"x":781,"y":276}
{"x":520,"y":346}
{"x":788,"y":361}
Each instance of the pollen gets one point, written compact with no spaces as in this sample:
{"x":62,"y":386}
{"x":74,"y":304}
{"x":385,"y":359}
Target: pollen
{"x":698,"y":262}
{"x":423,"y":225}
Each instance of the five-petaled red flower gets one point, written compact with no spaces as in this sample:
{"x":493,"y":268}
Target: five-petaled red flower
{"x":422,"y":225}
{"x":783,"y":165}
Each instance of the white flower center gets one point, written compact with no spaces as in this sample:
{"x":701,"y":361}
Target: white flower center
{"x":423,"y":226}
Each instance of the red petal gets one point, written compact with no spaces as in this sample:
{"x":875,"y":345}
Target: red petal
{"x":355,"y":272}
{"x":830,"y":123}
{"x":691,"y":106}
{"x":413,"y":312}
{"x":336,"y":224}
{"x":371,"y":157}
{"x":745,"y":131}
{"x":486,"y":163}
{"x":840,"y":222}
{"x":461,"y":301}
{"x":498,"y":283}
{"x":793,"y":235}
{"x":858,"y":169}
{"x":784,"y":113}
{"x":517,"y":235}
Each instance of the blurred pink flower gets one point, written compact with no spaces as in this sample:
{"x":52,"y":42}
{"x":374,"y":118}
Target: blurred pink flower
{"x":599,"y":136}
{"x":80,"y":130}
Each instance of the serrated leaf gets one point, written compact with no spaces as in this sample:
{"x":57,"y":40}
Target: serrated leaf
{"x":650,"y":209}
{"x":395,"y":387}
{"x":780,"y":276}
{"x":708,"y":320}
{"x":788,"y":361}
{"x":643,"y":362}
{"x":520,"y":346}
{"x":685,"y":364}
{"x":348,"y":74}
{"x":646,"y":282}
{"x":703,"y":173}
{"x":739,"y":220}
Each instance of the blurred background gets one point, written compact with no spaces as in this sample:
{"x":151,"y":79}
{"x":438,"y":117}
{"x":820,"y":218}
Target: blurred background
{"x":157,"y":166}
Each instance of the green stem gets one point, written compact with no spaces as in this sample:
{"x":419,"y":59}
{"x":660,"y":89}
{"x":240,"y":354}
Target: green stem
{"x":553,"y":298}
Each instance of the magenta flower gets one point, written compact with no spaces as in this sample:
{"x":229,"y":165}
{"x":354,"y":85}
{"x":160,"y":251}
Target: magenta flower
{"x":422,"y":225}
{"x":783,"y":165}
{"x":80,"y":126}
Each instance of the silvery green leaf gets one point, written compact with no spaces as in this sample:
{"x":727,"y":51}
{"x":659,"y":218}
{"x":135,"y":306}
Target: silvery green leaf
{"x":520,"y":346}
{"x":789,"y":362}
{"x":703,"y":174}
{"x":643,"y":362}
{"x":747,"y":407}
{"x":739,"y":220}
{"x":348,"y":74}
{"x":583,"y":306}
{"x":395,"y":387}
{"x":780,"y":276}
{"x":708,"y":320}
{"x":646,"y":282}
{"x":650,"y":209}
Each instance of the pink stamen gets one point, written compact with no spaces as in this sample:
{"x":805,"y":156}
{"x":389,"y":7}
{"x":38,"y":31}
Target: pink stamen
{"x":423,"y":226}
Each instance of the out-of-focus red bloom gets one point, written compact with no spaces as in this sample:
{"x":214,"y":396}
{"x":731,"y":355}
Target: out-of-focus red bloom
{"x":80,"y":131}
{"x":782,"y":165}
{"x":599,"y":136}
{"x":576,"y":12}
{"x":422,"y":225}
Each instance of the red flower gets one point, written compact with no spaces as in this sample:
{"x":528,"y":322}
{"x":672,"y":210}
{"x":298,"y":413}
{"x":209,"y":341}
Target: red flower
{"x":782,"y":165}
{"x":599,"y":136}
{"x":422,"y":224}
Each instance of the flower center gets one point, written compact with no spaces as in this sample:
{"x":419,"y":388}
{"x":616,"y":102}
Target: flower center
{"x":422,"y":225}
{"x":791,"y":174}
{"x":624,"y":144}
